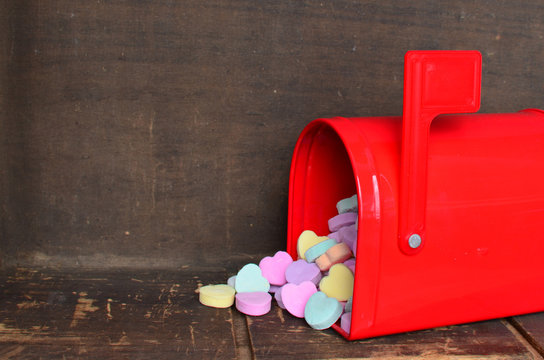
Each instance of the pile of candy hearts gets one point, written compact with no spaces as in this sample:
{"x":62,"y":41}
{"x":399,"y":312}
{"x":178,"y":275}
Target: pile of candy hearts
{"x":317,"y":287}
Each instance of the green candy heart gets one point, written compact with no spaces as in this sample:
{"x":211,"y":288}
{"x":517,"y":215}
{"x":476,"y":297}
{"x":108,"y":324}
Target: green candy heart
{"x":321,"y":311}
{"x":250,"y":279}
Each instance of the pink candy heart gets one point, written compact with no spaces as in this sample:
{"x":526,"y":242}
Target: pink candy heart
{"x":273,"y":268}
{"x":295,"y":297}
{"x":253,"y":303}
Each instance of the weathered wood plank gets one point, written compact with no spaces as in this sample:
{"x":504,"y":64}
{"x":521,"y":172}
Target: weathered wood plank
{"x":139,"y":314}
{"x":113,"y":315}
{"x":278,"y":335}
{"x":532,"y":327}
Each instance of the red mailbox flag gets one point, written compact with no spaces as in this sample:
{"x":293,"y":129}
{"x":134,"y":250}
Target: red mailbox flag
{"x":435,"y":83}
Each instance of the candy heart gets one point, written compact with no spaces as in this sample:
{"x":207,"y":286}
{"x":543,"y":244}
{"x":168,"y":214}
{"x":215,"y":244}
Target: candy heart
{"x":306,"y":240}
{"x":334,"y":235}
{"x":350,"y":263}
{"x":218,"y":296}
{"x":254,"y":303}
{"x":349,"y":305}
{"x":273,"y":268}
{"x":301,"y":270}
{"x":336,"y":254}
{"x":342,"y":220}
{"x":322,"y":311}
{"x":347,"y":205}
{"x":339,"y":283}
{"x":345,"y":322}
{"x":319,"y":249}
{"x":232,"y":281}
{"x":295,"y":297}
{"x":277,"y":296}
{"x":348,"y":235}
{"x":250,"y":279}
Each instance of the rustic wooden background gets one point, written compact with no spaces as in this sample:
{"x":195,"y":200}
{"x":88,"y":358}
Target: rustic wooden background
{"x":159,"y":133}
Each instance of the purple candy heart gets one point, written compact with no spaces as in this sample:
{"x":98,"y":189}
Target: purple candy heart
{"x":350,"y":263}
{"x":301,"y":270}
{"x":345,"y":322}
{"x":339,"y":221}
{"x":277,"y":296}
{"x":348,"y":235}
{"x":335,"y":235}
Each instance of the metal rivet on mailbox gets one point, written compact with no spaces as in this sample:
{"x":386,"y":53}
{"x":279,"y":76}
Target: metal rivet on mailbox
{"x":414,"y":241}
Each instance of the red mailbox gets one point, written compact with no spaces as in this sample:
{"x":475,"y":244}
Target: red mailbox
{"x":451,"y":213}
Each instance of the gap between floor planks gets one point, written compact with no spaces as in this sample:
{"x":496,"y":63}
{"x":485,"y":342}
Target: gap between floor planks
{"x":158,"y":296}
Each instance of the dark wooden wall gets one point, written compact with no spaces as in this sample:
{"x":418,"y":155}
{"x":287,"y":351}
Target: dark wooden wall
{"x":159,"y":133}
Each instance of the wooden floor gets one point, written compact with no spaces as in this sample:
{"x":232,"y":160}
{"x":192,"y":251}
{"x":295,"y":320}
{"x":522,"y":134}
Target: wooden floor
{"x":46,"y":314}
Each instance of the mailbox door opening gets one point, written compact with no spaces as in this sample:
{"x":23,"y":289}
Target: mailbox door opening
{"x":328,"y":178}
{"x":333,"y":160}
{"x":322,"y":173}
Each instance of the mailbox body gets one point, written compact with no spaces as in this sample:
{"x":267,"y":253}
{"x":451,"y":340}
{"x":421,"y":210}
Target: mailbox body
{"x":483,"y":254}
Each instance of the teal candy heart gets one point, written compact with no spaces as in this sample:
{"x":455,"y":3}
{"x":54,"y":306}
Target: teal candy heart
{"x":251,"y":279}
{"x":319,"y":249}
{"x":321,"y":311}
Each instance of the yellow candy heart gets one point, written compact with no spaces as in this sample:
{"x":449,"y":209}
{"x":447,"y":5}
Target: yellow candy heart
{"x":217,"y":296}
{"x":339,"y":283}
{"x":306,"y":240}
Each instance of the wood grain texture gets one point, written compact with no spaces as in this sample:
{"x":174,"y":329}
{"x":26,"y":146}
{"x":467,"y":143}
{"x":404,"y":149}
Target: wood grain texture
{"x":278,"y":335}
{"x":159,"y":133}
{"x":113,"y":316}
{"x":143,"y":314}
{"x":531,"y":326}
